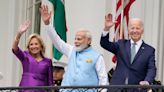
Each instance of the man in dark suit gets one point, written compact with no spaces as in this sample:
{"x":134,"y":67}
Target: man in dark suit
{"x":132,"y":69}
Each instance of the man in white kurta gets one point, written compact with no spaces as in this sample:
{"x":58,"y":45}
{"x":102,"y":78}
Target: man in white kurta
{"x":85,"y":65}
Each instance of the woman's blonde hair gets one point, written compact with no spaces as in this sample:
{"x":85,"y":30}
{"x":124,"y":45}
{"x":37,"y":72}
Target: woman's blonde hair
{"x":38,"y":37}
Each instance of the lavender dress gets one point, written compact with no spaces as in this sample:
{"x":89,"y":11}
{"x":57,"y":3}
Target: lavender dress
{"x":34,"y":73}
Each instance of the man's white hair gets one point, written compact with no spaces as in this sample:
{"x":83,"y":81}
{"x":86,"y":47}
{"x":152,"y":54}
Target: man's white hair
{"x":88,"y":33}
{"x":137,"y":19}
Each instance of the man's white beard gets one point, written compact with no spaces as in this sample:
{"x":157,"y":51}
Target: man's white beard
{"x":81,"y":47}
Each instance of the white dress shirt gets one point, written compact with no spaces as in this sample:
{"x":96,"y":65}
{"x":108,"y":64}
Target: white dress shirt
{"x":138,"y":44}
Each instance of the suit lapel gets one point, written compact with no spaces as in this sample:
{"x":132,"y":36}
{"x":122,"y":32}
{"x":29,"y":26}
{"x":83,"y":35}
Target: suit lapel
{"x":128,"y":50}
{"x":140,"y":51}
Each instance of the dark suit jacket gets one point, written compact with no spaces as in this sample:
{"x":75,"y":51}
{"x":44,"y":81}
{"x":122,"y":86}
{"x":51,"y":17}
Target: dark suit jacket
{"x":142,"y":68}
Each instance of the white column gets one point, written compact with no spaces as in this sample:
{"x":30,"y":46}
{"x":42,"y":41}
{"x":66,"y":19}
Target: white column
{"x":12,"y":12}
{"x":160,"y":47}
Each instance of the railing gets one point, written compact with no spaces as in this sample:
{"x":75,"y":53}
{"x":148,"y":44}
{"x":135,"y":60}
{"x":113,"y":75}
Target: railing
{"x":109,"y":88}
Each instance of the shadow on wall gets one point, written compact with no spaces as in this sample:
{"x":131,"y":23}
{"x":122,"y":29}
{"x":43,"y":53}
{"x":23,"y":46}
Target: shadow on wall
{"x":1,"y":76}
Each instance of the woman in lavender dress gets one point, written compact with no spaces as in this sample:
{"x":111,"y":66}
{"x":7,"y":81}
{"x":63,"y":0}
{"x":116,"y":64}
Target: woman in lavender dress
{"x":37,"y":69}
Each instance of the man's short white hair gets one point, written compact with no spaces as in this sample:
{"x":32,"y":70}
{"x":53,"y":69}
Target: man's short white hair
{"x":88,"y":33}
{"x":136,"y":19}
